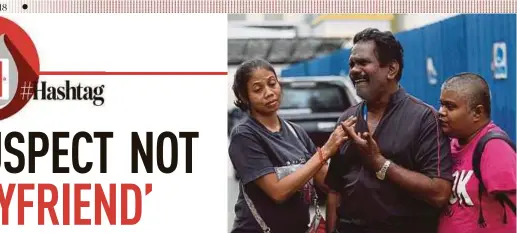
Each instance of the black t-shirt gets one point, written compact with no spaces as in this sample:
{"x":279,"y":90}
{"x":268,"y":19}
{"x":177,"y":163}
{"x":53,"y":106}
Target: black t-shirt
{"x":255,"y":151}
{"x":409,"y":135}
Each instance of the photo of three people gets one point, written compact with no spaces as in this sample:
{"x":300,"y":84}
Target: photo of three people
{"x":371,"y":123}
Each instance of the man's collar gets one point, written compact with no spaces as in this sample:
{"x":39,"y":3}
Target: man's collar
{"x":399,"y":95}
{"x":396,"y":97}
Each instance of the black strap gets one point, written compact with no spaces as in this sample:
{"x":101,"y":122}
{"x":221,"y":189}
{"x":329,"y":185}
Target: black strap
{"x":476,"y":166}
{"x":504,"y":199}
{"x":478,"y":151}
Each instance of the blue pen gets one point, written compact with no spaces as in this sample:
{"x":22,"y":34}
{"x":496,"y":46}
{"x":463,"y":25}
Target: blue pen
{"x":365,"y":112}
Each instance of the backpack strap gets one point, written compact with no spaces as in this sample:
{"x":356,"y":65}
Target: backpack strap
{"x":476,"y":166}
{"x":478,"y":151}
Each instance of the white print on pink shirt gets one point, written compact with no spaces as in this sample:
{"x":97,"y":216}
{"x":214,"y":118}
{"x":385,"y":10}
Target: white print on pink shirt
{"x":459,"y":188}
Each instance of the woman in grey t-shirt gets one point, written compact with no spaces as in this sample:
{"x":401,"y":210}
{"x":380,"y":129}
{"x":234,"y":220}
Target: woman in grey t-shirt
{"x":274,"y":159}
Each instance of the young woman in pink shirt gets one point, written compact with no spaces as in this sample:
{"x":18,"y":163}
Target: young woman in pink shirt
{"x":465,"y":117}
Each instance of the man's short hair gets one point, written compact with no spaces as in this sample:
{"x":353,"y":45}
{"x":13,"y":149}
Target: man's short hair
{"x":387,"y":47}
{"x":472,"y":87}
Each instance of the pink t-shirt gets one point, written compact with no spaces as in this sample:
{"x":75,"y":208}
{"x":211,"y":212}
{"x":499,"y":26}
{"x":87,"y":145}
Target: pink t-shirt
{"x":498,"y":174}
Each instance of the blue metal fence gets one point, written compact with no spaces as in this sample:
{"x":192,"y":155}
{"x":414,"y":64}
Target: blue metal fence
{"x":464,"y":43}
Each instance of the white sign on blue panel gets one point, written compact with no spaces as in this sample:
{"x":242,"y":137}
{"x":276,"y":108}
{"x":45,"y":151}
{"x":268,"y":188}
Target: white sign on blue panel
{"x":499,"y":62}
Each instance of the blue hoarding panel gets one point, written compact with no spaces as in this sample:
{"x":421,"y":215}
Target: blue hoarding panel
{"x":484,"y":34}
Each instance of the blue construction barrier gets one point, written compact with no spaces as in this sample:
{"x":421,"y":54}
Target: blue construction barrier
{"x":433,"y":53}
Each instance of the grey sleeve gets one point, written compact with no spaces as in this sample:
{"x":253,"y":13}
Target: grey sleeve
{"x":248,"y":157}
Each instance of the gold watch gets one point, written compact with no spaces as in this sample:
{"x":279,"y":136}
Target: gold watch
{"x":381,"y":174}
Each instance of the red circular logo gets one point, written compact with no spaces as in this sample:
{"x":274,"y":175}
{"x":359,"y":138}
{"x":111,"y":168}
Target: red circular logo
{"x":19,"y":67}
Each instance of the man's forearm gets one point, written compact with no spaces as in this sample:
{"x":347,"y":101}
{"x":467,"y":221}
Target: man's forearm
{"x":333,"y":200}
{"x":434,"y":191}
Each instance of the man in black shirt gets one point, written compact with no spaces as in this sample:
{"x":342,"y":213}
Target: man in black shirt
{"x":395,"y":175}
